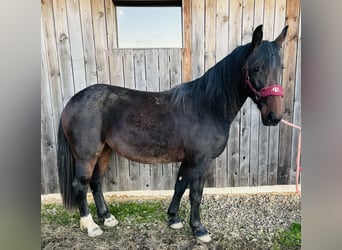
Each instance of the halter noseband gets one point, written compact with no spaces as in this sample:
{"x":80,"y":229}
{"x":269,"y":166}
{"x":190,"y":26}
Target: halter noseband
{"x":273,"y":90}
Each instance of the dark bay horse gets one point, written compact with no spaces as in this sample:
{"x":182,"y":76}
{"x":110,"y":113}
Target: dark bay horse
{"x":188,"y":123}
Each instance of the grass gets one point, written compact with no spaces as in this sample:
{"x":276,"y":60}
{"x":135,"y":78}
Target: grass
{"x":289,"y":238}
{"x":139,"y":212}
{"x":57,"y":214}
{"x":135,"y":211}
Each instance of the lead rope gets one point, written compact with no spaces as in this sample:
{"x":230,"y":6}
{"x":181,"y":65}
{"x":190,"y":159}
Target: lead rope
{"x":299,"y":168}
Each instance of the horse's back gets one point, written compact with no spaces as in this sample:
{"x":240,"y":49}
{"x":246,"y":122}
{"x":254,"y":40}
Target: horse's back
{"x":100,"y":99}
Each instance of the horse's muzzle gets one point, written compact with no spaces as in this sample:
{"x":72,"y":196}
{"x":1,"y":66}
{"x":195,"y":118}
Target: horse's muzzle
{"x":271,"y":119}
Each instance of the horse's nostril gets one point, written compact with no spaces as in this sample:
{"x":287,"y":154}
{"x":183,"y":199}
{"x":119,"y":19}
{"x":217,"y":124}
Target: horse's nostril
{"x":271,"y":116}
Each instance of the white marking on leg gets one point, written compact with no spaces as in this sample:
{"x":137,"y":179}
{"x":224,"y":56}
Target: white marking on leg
{"x":87,"y":223}
{"x":204,"y":238}
{"x":111,"y":221}
{"x":177,"y":225}
{"x":180,"y":178}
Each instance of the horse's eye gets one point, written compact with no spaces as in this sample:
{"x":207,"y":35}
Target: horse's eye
{"x":256,"y":69}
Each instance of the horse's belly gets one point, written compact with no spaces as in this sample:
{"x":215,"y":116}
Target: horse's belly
{"x":152,"y":159}
{"x":145,"y":155}
{"x":147,"y":150}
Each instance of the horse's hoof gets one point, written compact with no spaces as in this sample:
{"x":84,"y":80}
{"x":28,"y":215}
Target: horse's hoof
{"x":177,"y":225}
{"x":92,"y":230}
{"x":204,"y":238}
{"x":202,"y":234}
{"x":87,"y":224}
{"x":111,"y":221}
{"x":95,"y":231}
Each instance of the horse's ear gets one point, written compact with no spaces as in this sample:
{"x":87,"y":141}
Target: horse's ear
{"x":280,"y":39}
{"x":257,"y":37}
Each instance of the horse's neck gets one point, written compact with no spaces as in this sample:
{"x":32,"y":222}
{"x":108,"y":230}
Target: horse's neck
{"x":235,"y":90}
{"x":236,"y":99}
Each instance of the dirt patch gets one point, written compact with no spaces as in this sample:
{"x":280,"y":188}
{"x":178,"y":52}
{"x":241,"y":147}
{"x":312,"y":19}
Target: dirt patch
{"x":234,"y":222}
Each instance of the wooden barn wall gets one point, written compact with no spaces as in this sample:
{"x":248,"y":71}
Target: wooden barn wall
{"x":79,"y":48}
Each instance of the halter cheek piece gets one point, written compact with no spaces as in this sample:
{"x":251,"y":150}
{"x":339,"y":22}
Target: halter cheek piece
{"x":273,"y":90}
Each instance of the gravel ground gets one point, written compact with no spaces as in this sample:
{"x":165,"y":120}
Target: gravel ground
{"x":234,"y":222}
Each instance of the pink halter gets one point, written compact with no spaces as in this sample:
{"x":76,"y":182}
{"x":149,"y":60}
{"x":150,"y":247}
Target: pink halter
{"x":273,"y":90}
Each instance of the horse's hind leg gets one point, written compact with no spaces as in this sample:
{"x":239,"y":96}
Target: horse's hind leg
{"x":96,"y":187}
{"x":84,"y":171}
{"x":180,"y":187}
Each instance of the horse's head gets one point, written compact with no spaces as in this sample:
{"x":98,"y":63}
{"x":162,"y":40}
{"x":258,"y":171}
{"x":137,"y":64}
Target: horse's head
{"x":262,"y":71}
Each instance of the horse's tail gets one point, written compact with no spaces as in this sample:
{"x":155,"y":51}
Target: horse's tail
{"x":66,"y":169}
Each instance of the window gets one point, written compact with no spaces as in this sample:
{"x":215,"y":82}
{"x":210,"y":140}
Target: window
{"x":149,"y":26}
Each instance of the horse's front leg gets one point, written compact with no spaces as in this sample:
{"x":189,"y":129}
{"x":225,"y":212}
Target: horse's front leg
{"x":180,"y":187}
{"x":196,"y":193}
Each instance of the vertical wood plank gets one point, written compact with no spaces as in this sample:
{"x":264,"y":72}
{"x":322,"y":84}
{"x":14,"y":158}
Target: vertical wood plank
{"x":268,"y":28}
{"x":111,"y":24}
{"x":245,"y":122}
{"x":63,"y":50}
{"x":43,"y":175}
{"x":290,"y":48}
{"x":49,"y":41}
{"x":88,"y":42}
{"x":234,"y":40}
{"x":222,"y":22}
{"x":163,"y":66}
{"x":128,"y":69}
{"x":264,"y":130}
{"x":139,"y":69}
{"x":273,"y":153}
{"x":186,"y":66}
{"x":247,"y":21}
{"x":296,"y":111}
{"x":221,"y":50}
{"x":49,"y":179}
{"x":296,"y":101}
{"x":152,"y":72}
{"x":255,"y":113}
{"x":101,"y":49}
{"x":76,"y":44}
{"x":175,"y":67}
{"x":210,"y":34}
{"x":258,"y":12}
{"x":117,"y":68}
{"x":235,"y":13}
{"x":110,"y":14}
{"x":197,"y":38}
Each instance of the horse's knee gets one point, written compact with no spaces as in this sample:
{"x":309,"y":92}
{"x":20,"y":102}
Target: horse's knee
{"x":80,"y":188}
{"x":196,"y":196}
{"x":95,"y":186}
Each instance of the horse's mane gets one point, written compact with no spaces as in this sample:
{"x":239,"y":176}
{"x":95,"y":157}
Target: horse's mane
{"x":215,"y":90}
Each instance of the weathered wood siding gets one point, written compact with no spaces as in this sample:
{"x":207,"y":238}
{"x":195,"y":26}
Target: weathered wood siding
{"x":79,"y":48}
